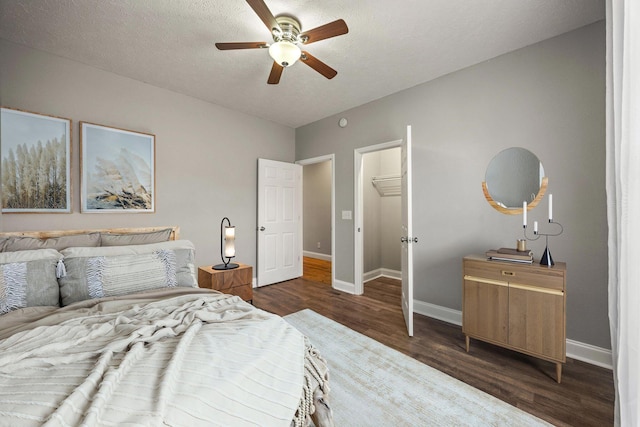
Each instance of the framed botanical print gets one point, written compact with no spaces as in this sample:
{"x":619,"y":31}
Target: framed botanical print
{"x":36,"y":162}
{"x":117,"y":170}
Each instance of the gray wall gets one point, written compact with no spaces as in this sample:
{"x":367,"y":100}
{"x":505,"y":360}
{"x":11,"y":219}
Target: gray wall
{"x":390,"y":214}
{"x":381,"y":215}
{"x":316,"y":207}
{"x":548,"y":98}
{"x":206,"y":155}
{"x":371,"y":237}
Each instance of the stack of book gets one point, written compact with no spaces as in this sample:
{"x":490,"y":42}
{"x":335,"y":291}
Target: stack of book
{"x":511,"y":255}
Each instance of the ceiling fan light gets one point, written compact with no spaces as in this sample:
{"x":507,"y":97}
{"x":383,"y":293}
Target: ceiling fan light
{"x":285,"y":53}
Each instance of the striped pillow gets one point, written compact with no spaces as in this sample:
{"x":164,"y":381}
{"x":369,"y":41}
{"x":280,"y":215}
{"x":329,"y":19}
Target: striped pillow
{"x":28,"y":279}
{"x":121,"y":270}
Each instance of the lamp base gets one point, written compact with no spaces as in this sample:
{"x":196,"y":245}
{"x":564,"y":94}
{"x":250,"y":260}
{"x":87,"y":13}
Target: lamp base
{"x":546,"y":258}
{"x":229,"y":266}
{"x":225,"y":266}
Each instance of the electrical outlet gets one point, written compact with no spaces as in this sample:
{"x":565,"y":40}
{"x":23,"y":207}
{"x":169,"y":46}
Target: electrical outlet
{"x":318,"y":245}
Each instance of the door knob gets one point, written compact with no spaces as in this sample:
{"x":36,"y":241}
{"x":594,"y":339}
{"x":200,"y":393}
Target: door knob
{"x":262,"y":228}
{"x":403,"y":239}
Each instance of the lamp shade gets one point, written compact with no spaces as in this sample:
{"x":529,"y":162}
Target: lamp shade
{"x":230,"y":242}
{"x":285,"y":53}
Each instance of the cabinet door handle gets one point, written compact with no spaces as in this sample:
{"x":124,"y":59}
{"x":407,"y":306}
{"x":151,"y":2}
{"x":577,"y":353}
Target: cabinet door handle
{"x":487,"y":281}
{"x":536,"y":289}
{"x":508,"y":273}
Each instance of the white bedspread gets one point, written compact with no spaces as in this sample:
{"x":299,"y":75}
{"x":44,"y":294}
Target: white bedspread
{"x":186,"y":360}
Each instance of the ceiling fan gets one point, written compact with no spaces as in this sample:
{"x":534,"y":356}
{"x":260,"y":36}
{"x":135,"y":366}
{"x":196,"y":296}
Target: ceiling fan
{"x":287,"y":37}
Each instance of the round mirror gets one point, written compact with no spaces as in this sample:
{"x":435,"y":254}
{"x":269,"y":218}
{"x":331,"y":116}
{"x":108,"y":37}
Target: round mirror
{"x":514,"y":175}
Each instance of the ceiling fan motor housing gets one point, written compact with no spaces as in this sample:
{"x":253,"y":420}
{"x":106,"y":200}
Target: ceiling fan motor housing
{"x":289,"y":30}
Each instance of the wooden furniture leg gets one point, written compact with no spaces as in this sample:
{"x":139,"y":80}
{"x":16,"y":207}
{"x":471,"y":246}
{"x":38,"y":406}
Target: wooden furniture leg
{"x":558,"y":371}
{"x":467,"y":339}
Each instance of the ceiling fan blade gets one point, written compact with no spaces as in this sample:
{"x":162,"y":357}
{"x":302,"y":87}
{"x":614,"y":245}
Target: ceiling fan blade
{"x":318,"y":65}
{"x":263,"y":12}
{"x":332,"y":29}
{"x":241,"y":45}
{"x":276,"y":72}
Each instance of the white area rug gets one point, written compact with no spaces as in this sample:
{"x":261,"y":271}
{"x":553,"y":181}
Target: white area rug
{"x":374,"y":385}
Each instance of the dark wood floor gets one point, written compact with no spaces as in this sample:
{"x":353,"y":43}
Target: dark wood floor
{"x":584,"y":398}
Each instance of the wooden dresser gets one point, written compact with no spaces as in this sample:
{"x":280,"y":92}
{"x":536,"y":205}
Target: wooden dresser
{"x":518,"y":306}
{"x":237,"y":281}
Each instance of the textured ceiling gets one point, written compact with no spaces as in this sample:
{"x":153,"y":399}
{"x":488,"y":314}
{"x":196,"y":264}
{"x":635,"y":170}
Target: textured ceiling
{"x":391,"y":45}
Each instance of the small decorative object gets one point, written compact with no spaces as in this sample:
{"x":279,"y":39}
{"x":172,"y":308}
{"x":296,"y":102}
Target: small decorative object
{"x":522,"y":245}
{"x":118,"y":170}
{"x":227,"y":245}
{"x":36,"y":162}
{"x":546,"y":256}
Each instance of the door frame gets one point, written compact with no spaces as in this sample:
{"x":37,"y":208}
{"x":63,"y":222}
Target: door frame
{"x":358,"y":214}
{"x":320,"y":159}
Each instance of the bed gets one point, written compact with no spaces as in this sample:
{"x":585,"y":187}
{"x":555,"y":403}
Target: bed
{"x":108,"y":327}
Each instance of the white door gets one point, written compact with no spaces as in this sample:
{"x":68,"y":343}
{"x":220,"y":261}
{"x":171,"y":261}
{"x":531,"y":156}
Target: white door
{"x":408,"y":239}
{"x":279,"y":221}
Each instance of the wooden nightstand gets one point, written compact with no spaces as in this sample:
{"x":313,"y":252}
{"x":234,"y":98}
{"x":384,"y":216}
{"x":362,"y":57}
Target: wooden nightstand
{"x":235,"y":282}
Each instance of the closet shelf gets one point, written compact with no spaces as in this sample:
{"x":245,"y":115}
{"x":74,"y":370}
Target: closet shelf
{"x":387,"y":185}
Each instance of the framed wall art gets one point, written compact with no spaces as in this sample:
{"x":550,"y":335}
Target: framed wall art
{"x":117,"y":170}
{"x":36,"y":162}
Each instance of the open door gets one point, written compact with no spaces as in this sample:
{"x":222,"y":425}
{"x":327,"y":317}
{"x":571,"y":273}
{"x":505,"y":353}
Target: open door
{"x":407,"y":233}
{"x":279,"y":221}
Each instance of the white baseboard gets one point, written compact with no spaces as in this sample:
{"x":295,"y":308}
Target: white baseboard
{"x":438,"y":312}
{"x":344,"y":286}
{"x":370,"y":275}
{"x":381,"y":272}
{"x":316,"y":255}
{"x":590,"y":353}
{"x":576,"y":350}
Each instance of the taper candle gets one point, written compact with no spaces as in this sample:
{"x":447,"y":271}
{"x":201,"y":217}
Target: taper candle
{"x":524,"y":214}
{"x":535,"y":227}
{"x":550,"y":207}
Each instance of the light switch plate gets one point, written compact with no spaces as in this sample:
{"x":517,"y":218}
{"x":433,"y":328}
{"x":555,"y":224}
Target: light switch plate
{"x":346,"y":214}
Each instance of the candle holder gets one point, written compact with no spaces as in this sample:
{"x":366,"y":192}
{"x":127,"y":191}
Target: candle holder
{"x":546,"y":256}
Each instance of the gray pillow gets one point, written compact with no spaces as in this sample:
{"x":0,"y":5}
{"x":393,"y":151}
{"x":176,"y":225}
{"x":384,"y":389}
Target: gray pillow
{"x":28,"y":279}
{"x":120,"y":270}
{"x":115,"y":239}
{"x":19,"y":243}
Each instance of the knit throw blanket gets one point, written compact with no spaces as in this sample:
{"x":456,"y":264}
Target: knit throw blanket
{"x":181,"y":358}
